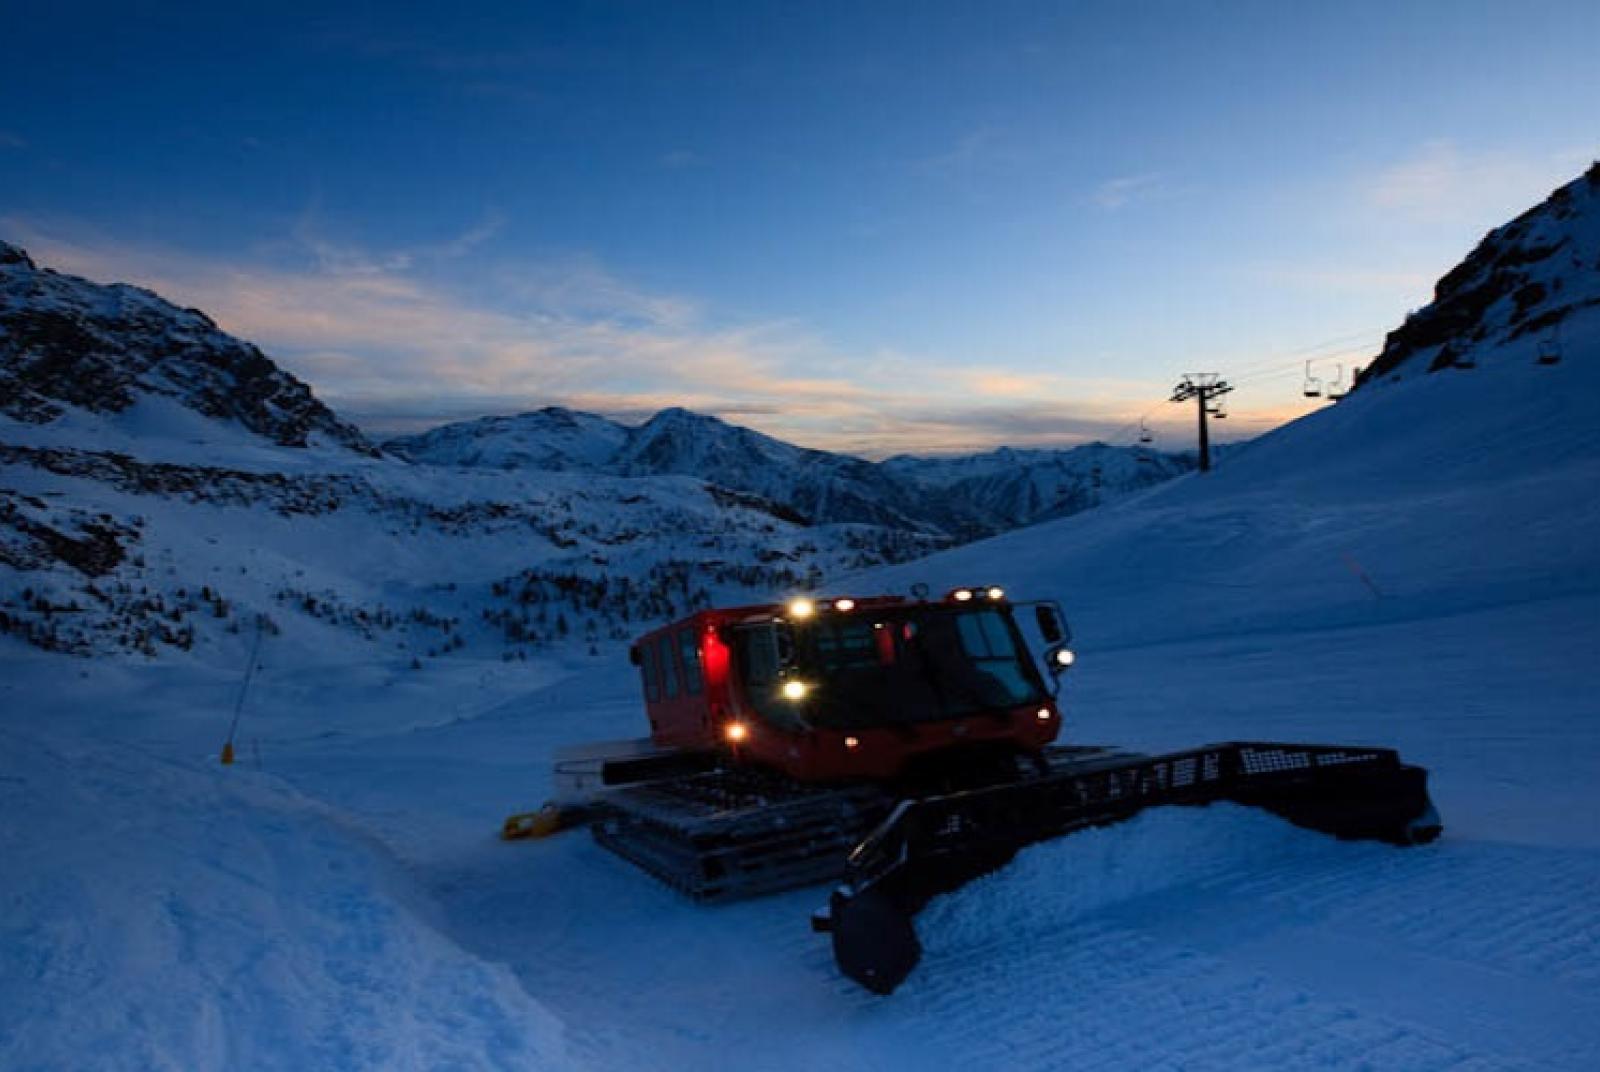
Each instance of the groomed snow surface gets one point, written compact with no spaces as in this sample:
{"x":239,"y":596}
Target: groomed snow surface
{"x":1419,"y":566}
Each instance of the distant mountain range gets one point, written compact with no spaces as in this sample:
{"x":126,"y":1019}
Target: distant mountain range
{"x":960,"y":497}
{"x":163,"y":485}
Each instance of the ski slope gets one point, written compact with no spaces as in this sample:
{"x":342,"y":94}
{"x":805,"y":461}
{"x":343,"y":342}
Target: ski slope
{"x":1418,"y":566}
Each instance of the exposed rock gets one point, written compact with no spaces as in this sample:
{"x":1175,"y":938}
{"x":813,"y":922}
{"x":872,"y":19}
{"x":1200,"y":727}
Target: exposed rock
{"x":1524,"y":277}
{"x":66,"y":341}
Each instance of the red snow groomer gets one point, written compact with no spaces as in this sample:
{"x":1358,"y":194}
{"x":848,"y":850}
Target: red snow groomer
{"x":905,"y":745}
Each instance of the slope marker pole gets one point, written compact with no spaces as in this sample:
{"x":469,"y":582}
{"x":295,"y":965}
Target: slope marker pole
{"x":238,"y":704}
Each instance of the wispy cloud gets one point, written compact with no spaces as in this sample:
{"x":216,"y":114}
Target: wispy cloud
{"x":970,"y":148}
{"x":1346,"y":278}
{"x":1117,"y":193}
{"x":9,"y":140}
{"x":681,"y":160}
{"x":396,"y":349}
{"x":1441,"y":182}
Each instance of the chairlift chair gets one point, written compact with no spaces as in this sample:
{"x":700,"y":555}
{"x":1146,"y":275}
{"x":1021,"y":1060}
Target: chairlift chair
{"x":1550,"y":351}
{"x":1313,"y":385}
{"x":1336,"y":388}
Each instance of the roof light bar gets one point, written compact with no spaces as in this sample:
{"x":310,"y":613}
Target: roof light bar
{"x":992,"y":592}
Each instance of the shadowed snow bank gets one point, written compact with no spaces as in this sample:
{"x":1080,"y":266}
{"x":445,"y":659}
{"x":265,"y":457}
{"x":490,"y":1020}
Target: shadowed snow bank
{"x":160,"y":917}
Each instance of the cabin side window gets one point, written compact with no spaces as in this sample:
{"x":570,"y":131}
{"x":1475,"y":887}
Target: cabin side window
{"x":693,"y":679}
{"x":647,"y":667}
{"x":669,"y":667}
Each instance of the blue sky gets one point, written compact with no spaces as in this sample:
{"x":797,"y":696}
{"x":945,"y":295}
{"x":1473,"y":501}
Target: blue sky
{"x":874,"y":227}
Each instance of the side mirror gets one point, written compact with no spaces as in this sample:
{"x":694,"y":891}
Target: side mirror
{"x":1050,"y":624}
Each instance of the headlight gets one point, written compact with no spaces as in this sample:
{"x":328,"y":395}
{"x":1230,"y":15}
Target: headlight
{"x":1059,"y":659}
{"x":795,"y":690}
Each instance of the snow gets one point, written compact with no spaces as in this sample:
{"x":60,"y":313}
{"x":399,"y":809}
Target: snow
{"x":174,"y":916}
{"x":552,"y":438}
{"x":1418,"y":566}
{"x":1209,"y":938}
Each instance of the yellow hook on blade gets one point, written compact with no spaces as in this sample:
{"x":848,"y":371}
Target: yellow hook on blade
{"x":548,"y":820}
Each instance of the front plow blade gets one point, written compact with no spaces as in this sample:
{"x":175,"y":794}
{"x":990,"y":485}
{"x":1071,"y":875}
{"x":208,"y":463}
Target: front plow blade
{"x":934,"y":845}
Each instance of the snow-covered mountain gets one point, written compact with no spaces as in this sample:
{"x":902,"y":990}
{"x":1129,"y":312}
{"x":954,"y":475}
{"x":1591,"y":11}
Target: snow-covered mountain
{"x":1514,"y":294}
{"x":553,"y":438}
{"x":817,"y":486}
{"x":959,"y":497}
{"x":71,"y":350}
{"x":1011,"y":487}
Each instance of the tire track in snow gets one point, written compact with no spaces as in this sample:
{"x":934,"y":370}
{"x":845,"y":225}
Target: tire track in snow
{"x":1111,"y":996}
{"x":1299,"y":952}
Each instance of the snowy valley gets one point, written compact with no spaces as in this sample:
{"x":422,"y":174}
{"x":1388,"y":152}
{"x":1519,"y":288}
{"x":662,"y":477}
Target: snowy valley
{"x":167,"y":486}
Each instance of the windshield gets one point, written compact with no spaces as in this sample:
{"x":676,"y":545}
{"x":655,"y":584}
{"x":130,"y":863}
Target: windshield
{"x":913,"y":664}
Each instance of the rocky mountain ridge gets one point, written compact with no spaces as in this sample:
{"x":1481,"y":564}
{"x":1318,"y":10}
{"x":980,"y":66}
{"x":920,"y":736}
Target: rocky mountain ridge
{"x":68,"y":342}
{"x":1511,"y":294}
